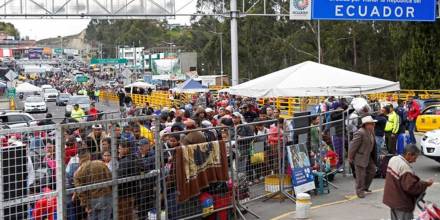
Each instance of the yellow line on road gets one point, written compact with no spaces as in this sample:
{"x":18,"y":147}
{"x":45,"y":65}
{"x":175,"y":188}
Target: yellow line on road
{"x":347,"y":199}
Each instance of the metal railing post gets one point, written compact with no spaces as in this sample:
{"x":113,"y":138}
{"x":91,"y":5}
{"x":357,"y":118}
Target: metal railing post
{"x":158,"y":162}
{"x":114,"y":162}
{"x":60,"y":174}
{"x":344,"y":152}
{"x":2,"y":214}
{"x":233,"y":176}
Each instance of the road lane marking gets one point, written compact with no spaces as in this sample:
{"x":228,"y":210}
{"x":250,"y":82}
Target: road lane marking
{"x":348,"y":198}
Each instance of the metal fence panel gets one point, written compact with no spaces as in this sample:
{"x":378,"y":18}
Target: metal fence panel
{"x":196,"y":173}
{"x":112,"y":173}
{"x":28,"y":173}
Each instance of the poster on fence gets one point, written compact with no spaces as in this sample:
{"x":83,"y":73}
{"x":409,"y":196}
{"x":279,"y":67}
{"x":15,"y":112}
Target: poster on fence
{"x":302,"y":176}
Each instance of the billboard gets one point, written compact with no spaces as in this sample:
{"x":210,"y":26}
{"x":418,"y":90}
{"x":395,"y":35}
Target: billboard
{"x":300,"y":9}
{"x":35,"y":53}
{"x":387,"y":10}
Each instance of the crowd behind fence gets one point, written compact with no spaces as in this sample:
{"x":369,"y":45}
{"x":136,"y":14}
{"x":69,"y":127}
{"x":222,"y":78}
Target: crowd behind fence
{"x":131,"y":169}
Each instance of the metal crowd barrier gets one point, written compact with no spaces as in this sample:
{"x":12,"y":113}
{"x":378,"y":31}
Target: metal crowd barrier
{"x":141,"y":179}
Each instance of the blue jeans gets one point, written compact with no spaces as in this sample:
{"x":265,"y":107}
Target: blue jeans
{"x":101,"y":208}
{"x":379,"y":145}
{"x":411,"y":128}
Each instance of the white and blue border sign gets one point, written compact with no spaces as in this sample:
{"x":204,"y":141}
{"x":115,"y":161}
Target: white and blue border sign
{"x":386,"y":10}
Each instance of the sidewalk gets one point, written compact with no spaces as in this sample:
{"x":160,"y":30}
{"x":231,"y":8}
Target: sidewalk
{"x":342,"y":204}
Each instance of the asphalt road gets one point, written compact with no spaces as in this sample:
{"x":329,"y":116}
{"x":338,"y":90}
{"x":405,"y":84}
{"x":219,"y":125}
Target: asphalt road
{"x":58,"y":112}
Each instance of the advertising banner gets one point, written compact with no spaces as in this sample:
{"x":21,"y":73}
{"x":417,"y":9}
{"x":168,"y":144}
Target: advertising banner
{"x":302,"y":175}
{"x":386,"y":10}
{"x":35,"y":53}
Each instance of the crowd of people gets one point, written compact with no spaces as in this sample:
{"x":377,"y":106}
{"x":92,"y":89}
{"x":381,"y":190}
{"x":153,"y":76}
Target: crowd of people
{"x":89,"y":158}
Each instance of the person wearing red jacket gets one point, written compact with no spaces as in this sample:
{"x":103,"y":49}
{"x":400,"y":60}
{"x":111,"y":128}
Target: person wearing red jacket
{"x":70,"y":150}
{"x":413,"y":113}
{"x":46,"y":207}
{"x":93,"y":113}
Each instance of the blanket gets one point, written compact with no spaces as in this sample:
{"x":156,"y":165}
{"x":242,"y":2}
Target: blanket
{"x":198,"y":165}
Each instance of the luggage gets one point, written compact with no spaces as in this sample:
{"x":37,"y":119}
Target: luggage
{"x":402,"y":140}
{"x":384,"y":164}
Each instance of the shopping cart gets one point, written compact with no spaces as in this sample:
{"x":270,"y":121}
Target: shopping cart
{"x":429,"y":210}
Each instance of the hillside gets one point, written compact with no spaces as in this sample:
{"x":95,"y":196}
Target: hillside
{"x":74,"y":41}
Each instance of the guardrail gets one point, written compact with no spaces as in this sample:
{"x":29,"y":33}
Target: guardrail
{"x":287,"y":105}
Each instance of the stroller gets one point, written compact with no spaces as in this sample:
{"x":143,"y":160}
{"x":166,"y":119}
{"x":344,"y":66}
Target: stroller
{"x":429,"y":211}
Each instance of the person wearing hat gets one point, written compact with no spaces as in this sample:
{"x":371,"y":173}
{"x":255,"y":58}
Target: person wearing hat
{"x":94,"y":139}
{"x":362,"y":155}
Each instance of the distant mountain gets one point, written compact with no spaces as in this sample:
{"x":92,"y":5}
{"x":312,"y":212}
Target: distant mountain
{"x":76,"y":41}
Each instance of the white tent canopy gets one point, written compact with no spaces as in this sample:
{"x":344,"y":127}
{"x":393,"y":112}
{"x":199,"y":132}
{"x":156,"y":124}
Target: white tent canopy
{"x":142,"y":85}
{"x":313,"y":79}
{"x":27,"y":88}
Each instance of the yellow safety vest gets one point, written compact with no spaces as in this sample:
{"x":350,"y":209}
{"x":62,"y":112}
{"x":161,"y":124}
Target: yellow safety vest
{"x":393,"y":123}
{"x":77,"y":114}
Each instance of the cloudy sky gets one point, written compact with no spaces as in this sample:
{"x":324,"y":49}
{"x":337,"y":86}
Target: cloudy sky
{"x":41,"y":29}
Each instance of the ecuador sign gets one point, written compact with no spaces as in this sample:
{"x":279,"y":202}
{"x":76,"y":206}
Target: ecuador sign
{"x":387,"y":10}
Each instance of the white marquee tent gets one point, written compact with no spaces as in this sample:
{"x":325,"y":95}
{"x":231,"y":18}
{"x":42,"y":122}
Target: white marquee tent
{"x":27,"y":88}
{"x":313,"y":79}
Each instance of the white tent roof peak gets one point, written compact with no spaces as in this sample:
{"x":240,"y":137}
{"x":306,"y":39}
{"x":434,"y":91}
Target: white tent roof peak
{"x":27,"y":88}
{"x":313,"y":79}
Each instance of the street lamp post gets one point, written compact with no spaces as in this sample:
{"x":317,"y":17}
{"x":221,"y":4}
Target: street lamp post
{"x":221,"y":55}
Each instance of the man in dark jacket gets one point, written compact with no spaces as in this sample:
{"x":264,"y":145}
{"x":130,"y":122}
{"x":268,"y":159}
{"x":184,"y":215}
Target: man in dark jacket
{"x":402,"y":186}
{"x":146,"y":197}
{"x":379,"y":131}
{"x":121,"y":97}
{"x":46,"y":121}
{"x":128,"y":166}
{"x":244,"y":143}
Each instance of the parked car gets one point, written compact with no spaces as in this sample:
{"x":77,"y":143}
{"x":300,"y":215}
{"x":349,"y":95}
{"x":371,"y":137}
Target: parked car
{"x":430,"y":145}
{"x":35,"y":104}
{"x":17,"y":119}
{"x":62,"y":99}
{"x":82,"y":101}
{"x":50,"y":95}
{"x":44,"y":87}
{"x":429,"y":119}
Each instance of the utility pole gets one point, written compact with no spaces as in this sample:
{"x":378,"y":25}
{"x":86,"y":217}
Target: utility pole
{"x":221,"y":55}
{"x":319,"y":43}
{"x":234,"y":41}
{"x":221,"y":58}
{"x":134,"y":61}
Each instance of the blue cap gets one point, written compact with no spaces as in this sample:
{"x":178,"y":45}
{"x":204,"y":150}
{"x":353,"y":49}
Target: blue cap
{"x":143,"y":142}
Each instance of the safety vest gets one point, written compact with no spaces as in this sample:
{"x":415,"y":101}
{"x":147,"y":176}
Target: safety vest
{"x":393,"y":123}
{"x":77,"y":114}
{"x":97,"y":92}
